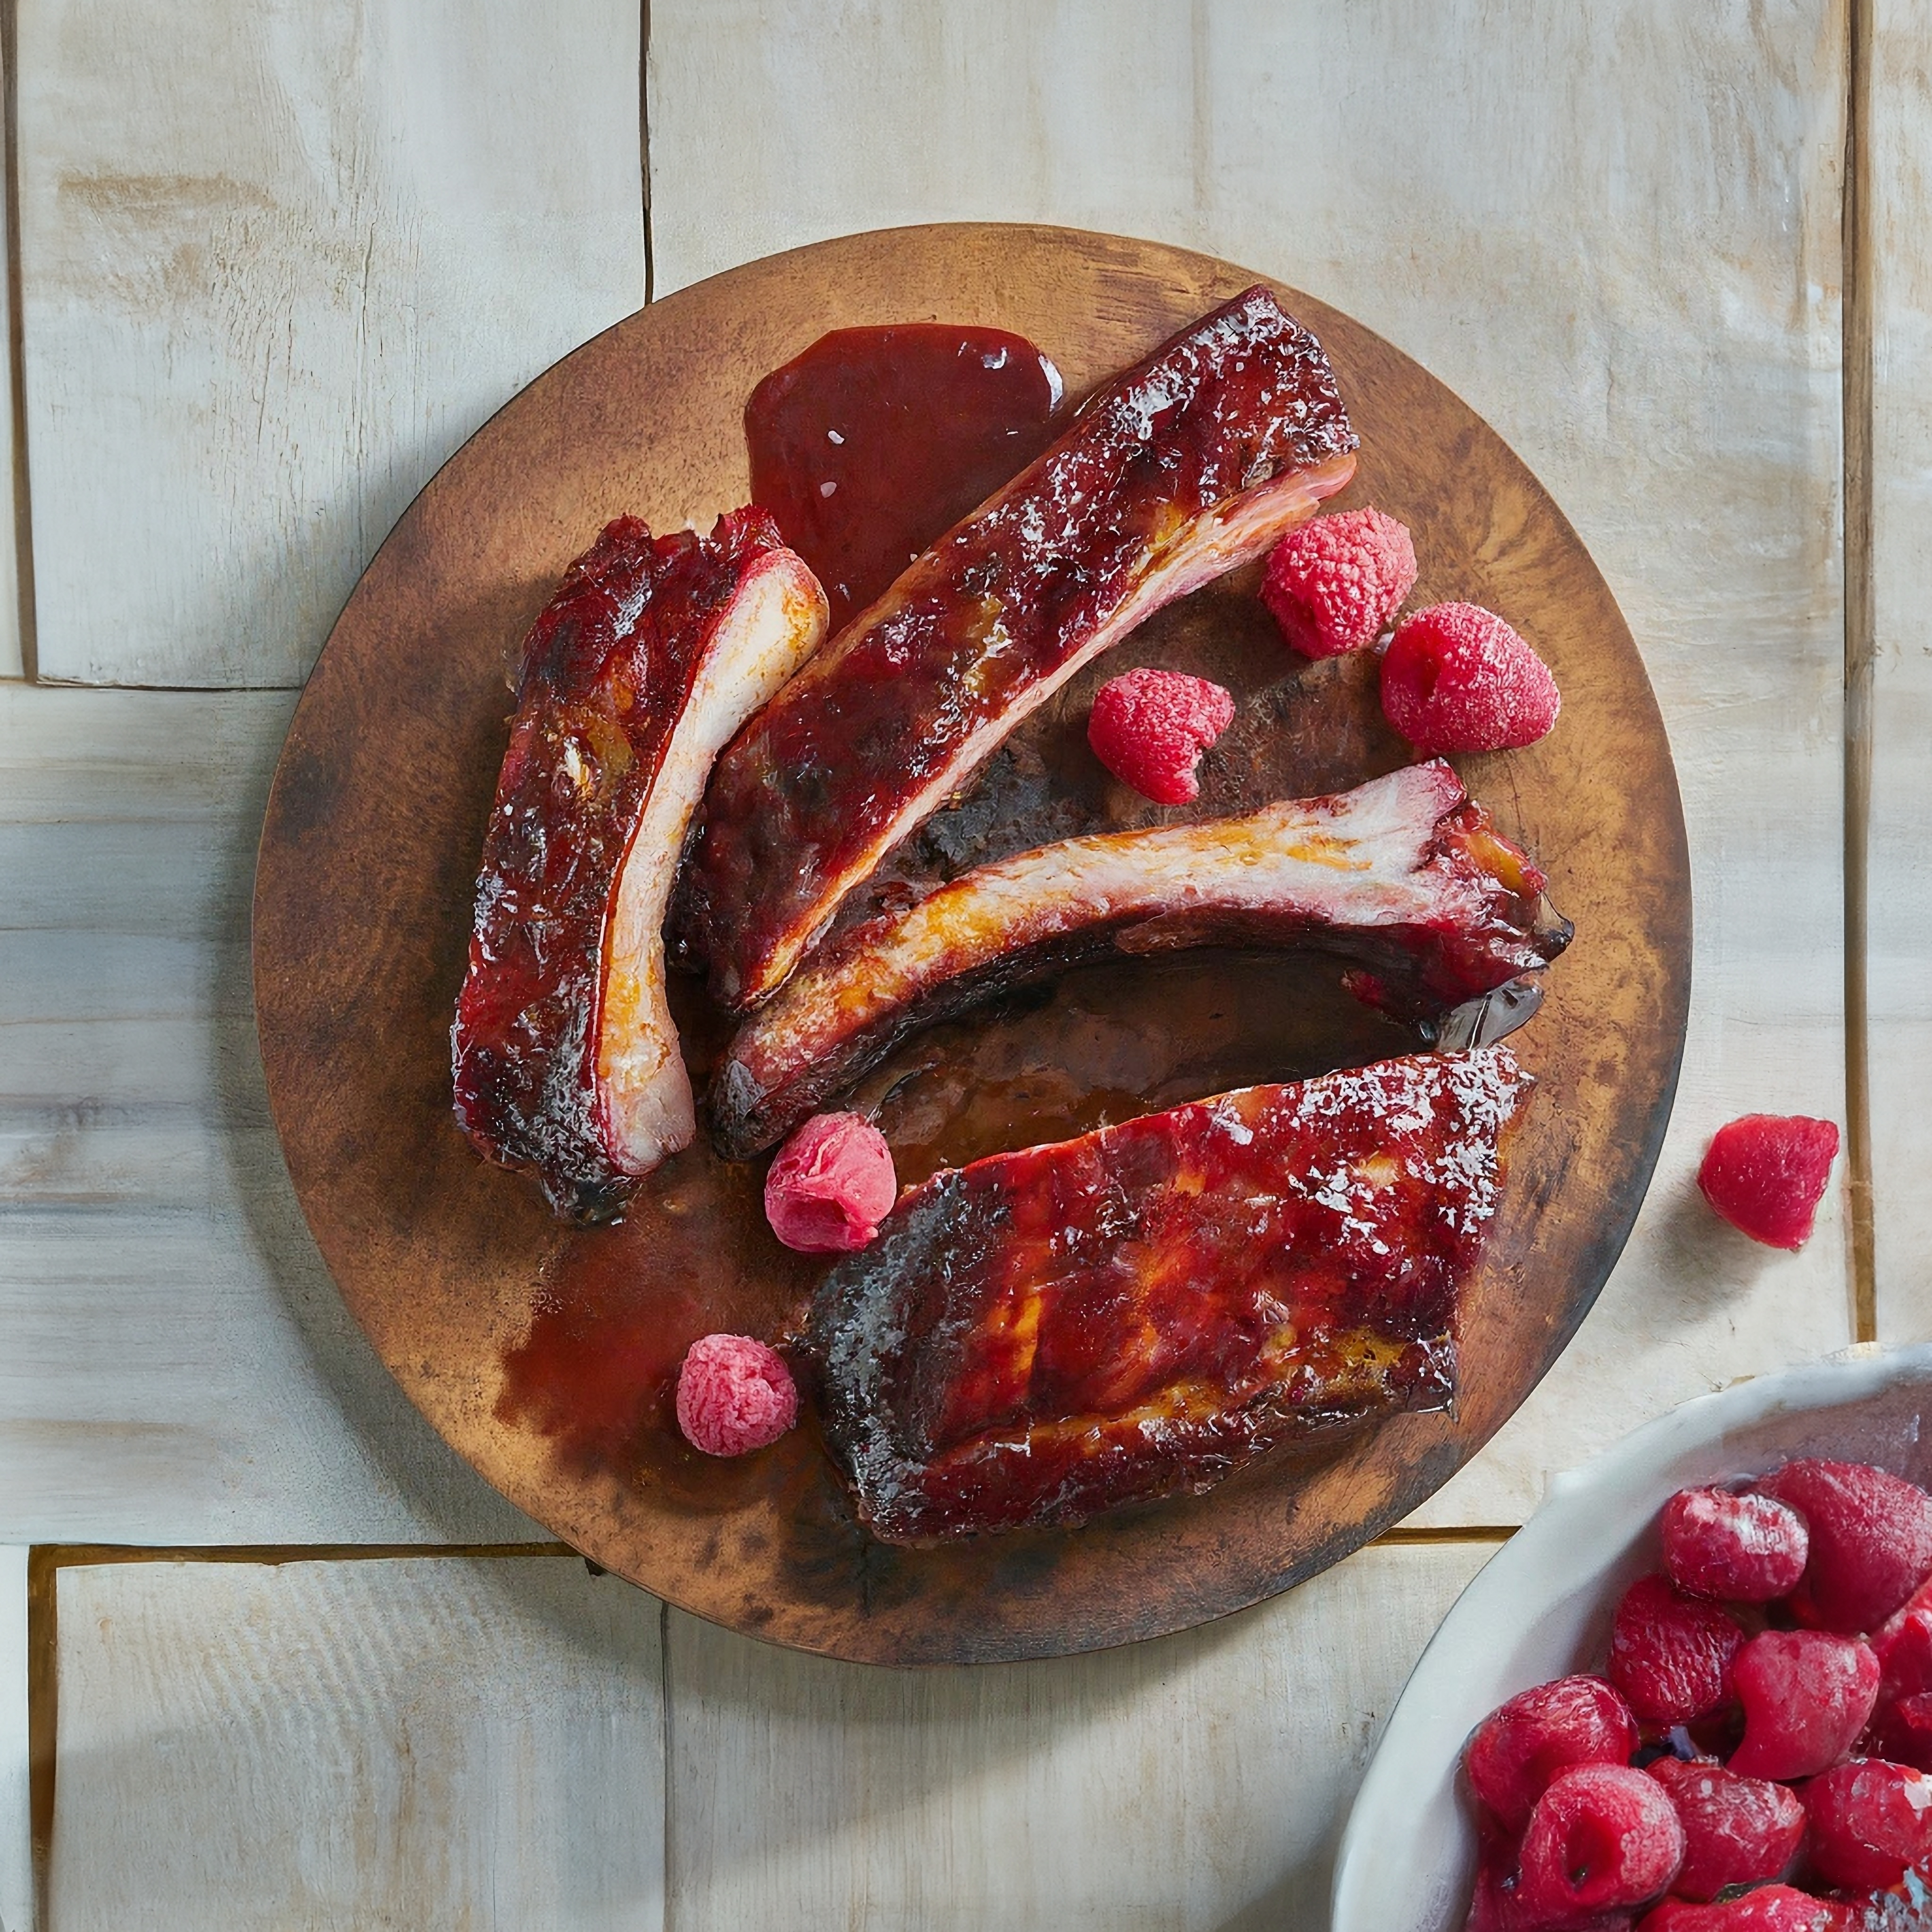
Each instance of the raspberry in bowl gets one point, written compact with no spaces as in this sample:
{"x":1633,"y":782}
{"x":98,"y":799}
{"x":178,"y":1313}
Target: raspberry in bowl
{"x":1546,"y":1607}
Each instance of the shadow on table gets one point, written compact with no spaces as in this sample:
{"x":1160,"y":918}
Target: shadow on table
{"x":392,"y":1478}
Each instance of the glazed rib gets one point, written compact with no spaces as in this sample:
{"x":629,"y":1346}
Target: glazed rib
{"x":1142,"y":1311}
{"x":1186,"y":466}
{"x":651,"y":654}
{"x":1404,"y":875}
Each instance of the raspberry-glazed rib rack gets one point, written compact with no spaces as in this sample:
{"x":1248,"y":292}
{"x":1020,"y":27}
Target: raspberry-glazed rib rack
{"x":1190,"y":463}
{"x":1142,"y":1311}
{"x":1404,"y":876}
{"x":651,"y":654}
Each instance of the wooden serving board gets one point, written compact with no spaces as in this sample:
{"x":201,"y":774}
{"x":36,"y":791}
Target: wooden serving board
{"x":547,"y":1355}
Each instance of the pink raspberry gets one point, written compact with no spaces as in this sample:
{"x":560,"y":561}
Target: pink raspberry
{"x":1871,"y":1540}
{"x":1737,"y":1830}
{"x":1740,"y":1549}
{"x":1806,"y":1695}
{"x":1333,"y":583}
{"x":1871,"y":1822}
{"x":1771,"y":1908}
{"x":1149,"y":728}
{"x":1457,"y":679}
{"x":1670,"y":1654}
{"x":1765,"y":1174}
{"x":831,"y":1186}
{"x":734,"y":1394}
{"x":1603,"y":1837}
{"x":1521,"y":1746}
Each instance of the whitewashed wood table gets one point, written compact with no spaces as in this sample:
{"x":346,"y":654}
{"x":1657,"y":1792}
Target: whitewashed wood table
{"x":269,"y":1657}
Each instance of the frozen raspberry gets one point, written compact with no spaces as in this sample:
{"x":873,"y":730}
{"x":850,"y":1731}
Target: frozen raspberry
{"x":1494,"y":1906}
{"x":1457,"y":679}
{"x":1765,"y":1174}
{"x":1149,"y":728}
{"x":1871,"y":1540}
{"x":734,"y":1394}
{"x":831,"y":1186}
{"x":1901,"y":1730}
{"x":1901,"y":1725}
{"x":1601,"y":1838}
{"x":1520,"y":1747}
{"x":1333,"y":584}
{"x":1740,"y":1549}
{"x":1771,"y":1908}
{"x":1871,"y":1822}
{"x":1737,"y":1830}
{"x":1670,"y":1654}
{"x":1806,"y":1695}
{"x":1904,"y":1645}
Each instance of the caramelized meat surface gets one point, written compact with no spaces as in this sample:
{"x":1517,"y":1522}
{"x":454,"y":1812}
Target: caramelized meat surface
{"x":1140,"y":1312}
{"x":1404,"y":875}
{"x":1186,"y":466}
{"x":652,"y":653}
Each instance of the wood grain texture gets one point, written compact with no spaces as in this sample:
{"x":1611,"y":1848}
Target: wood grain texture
{"x":1643,"y":301}
{"x":276,"y":264}
{"x":16,"y":1870}
{"x":177,"y":1366}
{"x":546,"y":1354}
{"x":1196,"y":1784}
{"x":1899,"y":854}
{"x":426,"y":1742}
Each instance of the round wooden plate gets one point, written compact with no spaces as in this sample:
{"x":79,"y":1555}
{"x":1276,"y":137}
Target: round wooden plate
{"x":546,"y":1356}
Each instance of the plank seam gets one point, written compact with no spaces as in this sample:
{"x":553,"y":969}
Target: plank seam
{"x":188,"y":690}
{"x":1473,"y":1532}
{"x":664,"y":1732}
{"x":70,"y":1556}
{"x":644,"y":141}
{"x":17,"y":347}
{"x":43,"y":1689}
{"x":1855,"y":410}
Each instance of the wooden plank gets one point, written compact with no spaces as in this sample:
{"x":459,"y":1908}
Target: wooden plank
{"x":1899,"y":853}
{"x":17,"y":1870}
{"x":178,"y":1367}
{"x":1198,"y":1781}
{"x":422,"y":1742}
{"x":276,"y":265}
{"x":1645,"y":303}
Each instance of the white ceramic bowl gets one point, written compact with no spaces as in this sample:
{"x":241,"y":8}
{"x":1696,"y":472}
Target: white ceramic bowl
{"x":1541,"y":1607}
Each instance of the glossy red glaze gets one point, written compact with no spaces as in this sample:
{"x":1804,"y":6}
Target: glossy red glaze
{"x":606,"y":675}
{"x":1169,"y":476}
{"x":876,"y":441}
{"x":1048,"y":1332}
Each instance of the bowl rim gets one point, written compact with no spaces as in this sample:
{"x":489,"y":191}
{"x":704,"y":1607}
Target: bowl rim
{"x":1594,"y":1495}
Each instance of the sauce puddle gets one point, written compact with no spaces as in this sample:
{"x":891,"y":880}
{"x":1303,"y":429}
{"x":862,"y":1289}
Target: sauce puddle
{"x":875,"y":441}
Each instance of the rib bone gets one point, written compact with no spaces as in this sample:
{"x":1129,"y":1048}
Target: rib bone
{"x":1404,"y":876}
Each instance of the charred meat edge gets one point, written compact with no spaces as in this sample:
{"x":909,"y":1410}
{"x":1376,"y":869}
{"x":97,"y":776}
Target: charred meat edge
{"x":1190,"y":464}
{"x":652,"y":653}
{"x":1403,"y":874}
{"x":1140,"y":1312}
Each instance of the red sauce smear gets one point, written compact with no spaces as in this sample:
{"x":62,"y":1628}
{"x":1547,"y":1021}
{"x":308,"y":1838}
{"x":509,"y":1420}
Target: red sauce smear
{"x":876,"y":441}
{"x":596,"y":1370}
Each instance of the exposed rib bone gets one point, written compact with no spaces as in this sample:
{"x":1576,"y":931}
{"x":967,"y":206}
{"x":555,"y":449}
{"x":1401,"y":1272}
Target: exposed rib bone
{"x":1403,"y":875}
